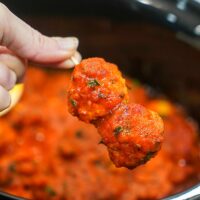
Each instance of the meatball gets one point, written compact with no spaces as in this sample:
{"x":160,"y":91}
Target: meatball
{"x":132,"y":134}
{"x":98,"y":94}
{"x":96,"y":88}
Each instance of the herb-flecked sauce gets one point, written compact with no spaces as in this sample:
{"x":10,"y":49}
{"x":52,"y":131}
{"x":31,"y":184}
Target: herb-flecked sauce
{"x":45,"y":153}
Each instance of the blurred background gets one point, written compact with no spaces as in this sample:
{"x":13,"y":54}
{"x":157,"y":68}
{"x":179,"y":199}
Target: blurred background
{"x":156,"y":41}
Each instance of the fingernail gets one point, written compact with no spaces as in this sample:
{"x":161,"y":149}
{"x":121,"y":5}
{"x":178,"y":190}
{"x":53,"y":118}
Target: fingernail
{"x":67,"y":64}
{"x":68,"y":43}
{"x":70,"y":62}
{"x":78,"y":57}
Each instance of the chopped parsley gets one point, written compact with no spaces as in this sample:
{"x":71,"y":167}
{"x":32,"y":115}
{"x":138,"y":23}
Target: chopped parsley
{"x":50,"y":191}
{"x":149,"y":156}
{"x":118,"y":130}
{"x":73,"y":102}
{"x":93,"y":83}
{"x":79,"y":134}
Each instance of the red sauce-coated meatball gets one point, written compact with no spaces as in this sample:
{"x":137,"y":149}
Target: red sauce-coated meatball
{"x":98,"y":94}
{"x":96,"y":87}
{"x":132,"y":134}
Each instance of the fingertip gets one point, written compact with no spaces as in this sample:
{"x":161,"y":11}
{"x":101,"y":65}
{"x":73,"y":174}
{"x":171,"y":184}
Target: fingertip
{"x":76,"y":58}
{"x":71,"y":62}
{"x":66,"y":64}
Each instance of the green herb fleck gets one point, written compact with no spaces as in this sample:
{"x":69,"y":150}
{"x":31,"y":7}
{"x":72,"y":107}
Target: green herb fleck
{"x":79,"y":134}
{"x":73,"y":102}
{"x":12,"y":167}
{"x":118,"y":130}
{"x":93,"y":83}
{"x":149,"y":156}
{"x":50,"y":191}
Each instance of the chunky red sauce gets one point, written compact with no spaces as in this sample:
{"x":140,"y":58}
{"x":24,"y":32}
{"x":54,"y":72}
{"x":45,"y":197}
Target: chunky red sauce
{"x":45,"y":153}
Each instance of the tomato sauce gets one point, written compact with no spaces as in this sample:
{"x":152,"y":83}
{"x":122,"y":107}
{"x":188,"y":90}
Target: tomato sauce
{"x":45,"y":153}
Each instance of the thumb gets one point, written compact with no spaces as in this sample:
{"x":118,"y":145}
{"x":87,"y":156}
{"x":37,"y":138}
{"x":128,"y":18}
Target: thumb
{"x":29,"y":43}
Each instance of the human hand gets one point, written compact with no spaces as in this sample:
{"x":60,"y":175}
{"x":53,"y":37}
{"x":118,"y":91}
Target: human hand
{"x":20,"y":43}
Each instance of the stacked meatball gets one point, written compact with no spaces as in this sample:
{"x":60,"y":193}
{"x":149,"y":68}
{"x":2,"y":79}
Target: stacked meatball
{"x":98,"y":94}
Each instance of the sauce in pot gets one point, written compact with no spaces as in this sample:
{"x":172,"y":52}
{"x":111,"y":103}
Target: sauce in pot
{"x":45,"y":153}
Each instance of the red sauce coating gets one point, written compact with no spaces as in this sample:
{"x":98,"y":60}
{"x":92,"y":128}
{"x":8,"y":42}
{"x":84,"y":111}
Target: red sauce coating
{"x":96,"y":87}
{"x":132,"y":134}
{"x":46,"y":154}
